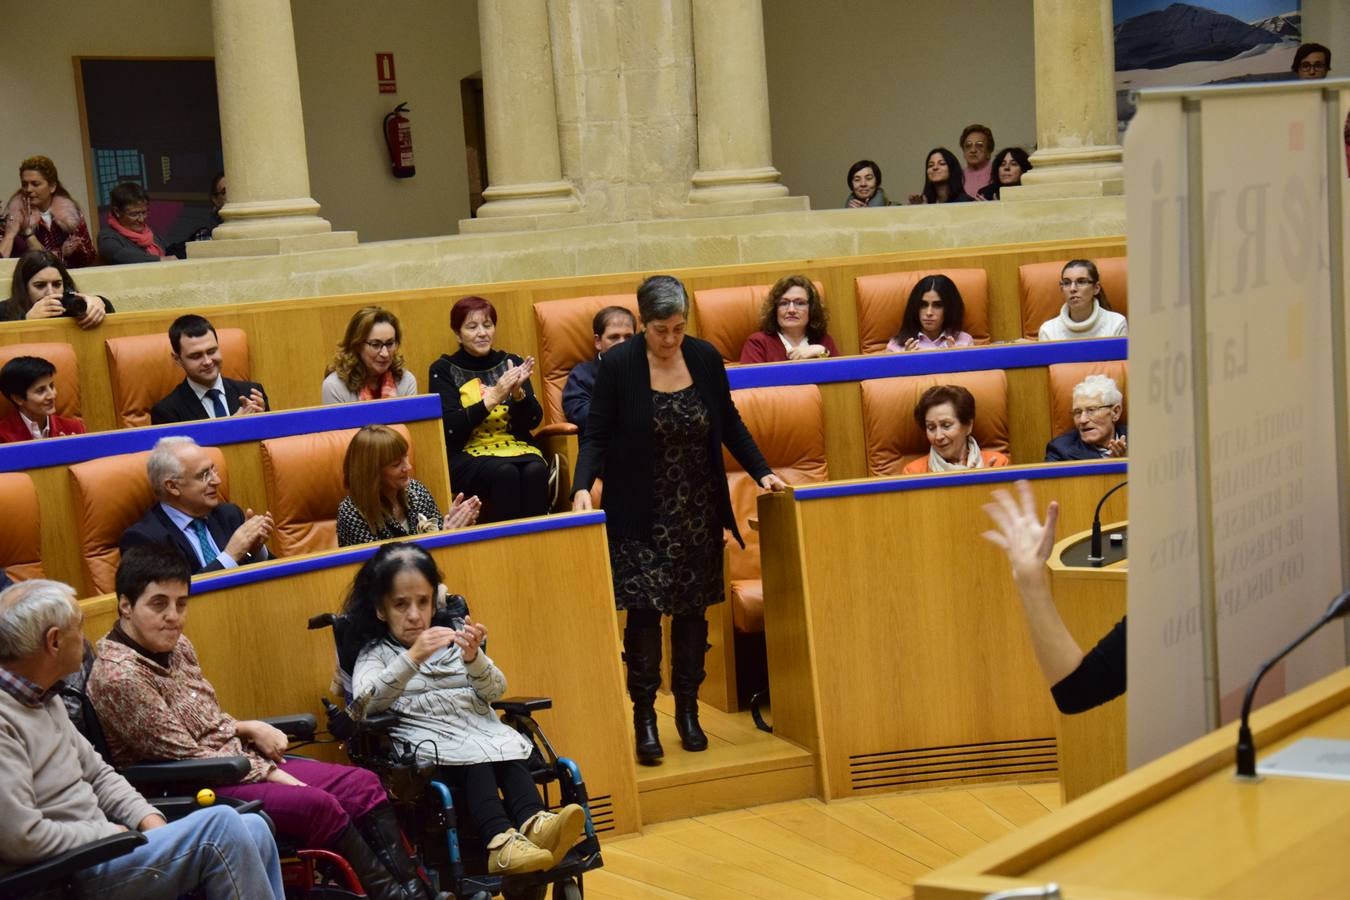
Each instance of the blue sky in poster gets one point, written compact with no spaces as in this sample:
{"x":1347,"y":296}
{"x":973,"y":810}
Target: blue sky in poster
{"x":1246,"y":10}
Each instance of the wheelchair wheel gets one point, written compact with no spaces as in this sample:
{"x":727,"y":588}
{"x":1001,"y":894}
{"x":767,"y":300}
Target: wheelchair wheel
{"x":566,"y":890}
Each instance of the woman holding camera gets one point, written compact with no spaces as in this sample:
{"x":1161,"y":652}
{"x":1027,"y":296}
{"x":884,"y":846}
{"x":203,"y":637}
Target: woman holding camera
{"x":43,"y":289}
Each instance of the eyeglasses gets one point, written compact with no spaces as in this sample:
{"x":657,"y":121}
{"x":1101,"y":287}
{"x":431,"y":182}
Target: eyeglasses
{"x":205,"y":476}
{"x":1088,"y":411}
{"x":1076,"y":282}
{"x":974,"y":145}
{"x":137,"y":214}
{"x":1313,"y":66}
{"x":377,"y":346}
{"x":793,"y":303}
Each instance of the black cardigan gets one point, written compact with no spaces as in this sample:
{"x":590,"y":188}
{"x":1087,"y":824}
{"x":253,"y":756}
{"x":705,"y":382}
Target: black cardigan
{"x":460,"y":421}
{"x":619,"y":434}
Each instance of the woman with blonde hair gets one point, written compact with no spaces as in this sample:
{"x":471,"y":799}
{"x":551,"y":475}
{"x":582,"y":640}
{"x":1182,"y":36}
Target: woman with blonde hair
{"x":368,"y":364}
{"x":41,"y":215}
{"x":383,"y":499}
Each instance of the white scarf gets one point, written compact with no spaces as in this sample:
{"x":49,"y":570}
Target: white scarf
{"x":936,"y":463}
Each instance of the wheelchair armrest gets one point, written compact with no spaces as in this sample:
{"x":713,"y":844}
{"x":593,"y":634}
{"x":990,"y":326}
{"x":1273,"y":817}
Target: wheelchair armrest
{"x":522,"y":706}
{"x":31,"y":880}
{"x":297,"y":727}
{"x":322,"y":620}
{"x":204,"y":772}
{"x":378,"y":722}
{"x":175,"y":808}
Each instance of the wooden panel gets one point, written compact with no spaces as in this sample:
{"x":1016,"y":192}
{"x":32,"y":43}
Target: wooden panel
{"x":291,"y":342}
{"x":893,"y":627}
{"x":552,"y":632}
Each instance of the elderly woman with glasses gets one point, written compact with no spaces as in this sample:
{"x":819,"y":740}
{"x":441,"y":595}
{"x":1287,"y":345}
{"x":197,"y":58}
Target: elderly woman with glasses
{"x":792,"y":325}
{"x":368,"y":364}
{"x":128,"y":239}
{"x":1086,"y":312}
{"x":1096,"y":431}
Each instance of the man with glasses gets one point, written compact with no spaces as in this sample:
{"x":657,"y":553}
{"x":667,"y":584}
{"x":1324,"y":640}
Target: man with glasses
{"x":1096,"y":432}
{"x":977,"y":146}
{"x":1311,"y":62}
{"x":205,"y":393}
{"x":190,"y":516}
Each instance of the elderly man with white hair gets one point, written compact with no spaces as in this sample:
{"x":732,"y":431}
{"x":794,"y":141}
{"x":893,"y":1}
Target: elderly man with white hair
{"x":58,"y":794}
{"x":190,"y":514}
{"x":1097,"y":432}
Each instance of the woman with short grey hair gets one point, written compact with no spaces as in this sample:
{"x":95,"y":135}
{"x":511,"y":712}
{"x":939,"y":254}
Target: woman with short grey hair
{"x":660,"y":415}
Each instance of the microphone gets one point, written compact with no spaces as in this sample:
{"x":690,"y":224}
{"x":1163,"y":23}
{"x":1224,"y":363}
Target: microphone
{"x":1246,"y":747}
{"x":1095,"y":549}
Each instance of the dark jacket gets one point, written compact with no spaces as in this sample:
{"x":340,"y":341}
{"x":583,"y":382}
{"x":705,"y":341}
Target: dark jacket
{"x":619,"y":434}
{"x":576,"y":398}
{"x":446,"y":376}
{"x":1069,"y":446}
{"x":155,"y":527}
{"x":182,"y":404}
{"x":1099,"y":678}
{"x":115,"y":249}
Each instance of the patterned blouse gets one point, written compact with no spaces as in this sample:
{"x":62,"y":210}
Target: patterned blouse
{"x":352,"y":528}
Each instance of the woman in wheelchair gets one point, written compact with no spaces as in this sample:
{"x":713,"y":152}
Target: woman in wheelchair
{"x":439,"y":682}
{"x":155,"y":704}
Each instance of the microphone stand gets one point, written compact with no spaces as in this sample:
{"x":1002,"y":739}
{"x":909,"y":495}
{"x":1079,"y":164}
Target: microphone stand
{"x":1095,"y":548}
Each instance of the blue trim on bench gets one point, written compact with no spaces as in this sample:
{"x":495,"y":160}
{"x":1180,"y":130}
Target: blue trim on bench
{"x":286,"y":568}
{"x":1001,"y":475}
{"x":214,"y":432}
{"x":890,"y":365}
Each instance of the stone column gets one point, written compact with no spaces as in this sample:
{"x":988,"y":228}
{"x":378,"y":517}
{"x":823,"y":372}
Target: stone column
{"x":262,"y":134}
{"x":526,"y":188}
{"x":735,"y":158}
{"x":1078,"y":148}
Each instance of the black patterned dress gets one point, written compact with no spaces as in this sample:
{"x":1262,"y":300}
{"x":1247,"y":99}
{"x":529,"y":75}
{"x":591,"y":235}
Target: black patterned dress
{"x":679,"y":569}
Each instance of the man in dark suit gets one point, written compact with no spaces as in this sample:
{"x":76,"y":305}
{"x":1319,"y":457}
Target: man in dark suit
{"x":190,"y":516}
{"x":205,"y":393}
{"x":611,"y":326}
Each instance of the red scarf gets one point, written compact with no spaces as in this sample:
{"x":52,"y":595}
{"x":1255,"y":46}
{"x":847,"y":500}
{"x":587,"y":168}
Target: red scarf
{"x":387,"y":389}
{"x":143,"y":239}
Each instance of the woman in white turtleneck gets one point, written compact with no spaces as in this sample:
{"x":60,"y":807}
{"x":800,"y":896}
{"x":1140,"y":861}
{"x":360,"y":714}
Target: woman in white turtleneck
{"x":1086,"y":313}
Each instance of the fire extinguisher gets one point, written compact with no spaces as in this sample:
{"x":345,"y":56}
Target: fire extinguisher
{"x":398,"y":138}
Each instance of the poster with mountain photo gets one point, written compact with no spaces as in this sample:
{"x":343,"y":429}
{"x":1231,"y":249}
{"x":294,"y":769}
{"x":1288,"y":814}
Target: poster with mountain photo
{"x":1164,"y":44}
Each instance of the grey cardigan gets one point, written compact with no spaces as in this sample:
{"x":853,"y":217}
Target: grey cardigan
{"x":334,"y":391}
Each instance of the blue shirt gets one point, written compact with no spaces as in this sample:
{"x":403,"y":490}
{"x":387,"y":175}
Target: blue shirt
{"x":184,"y":523}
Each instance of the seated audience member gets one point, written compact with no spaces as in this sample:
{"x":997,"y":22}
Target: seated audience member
{"x":190,"y":516}
{"x":1095,"y":432}
{"x":933,"y":318}
{"x":977,"y":145}
{"x":29,"y":382}
{"x":1008,"y":167}
{"x":488,"y":409}
{"x":943,"y":180}
{"x":1086,"y":312}
{"x":1078,"y":681}
{"x":58,"y":794}
{"x":611,"y":326}
{"x":43,"y":289}
{"x":128,"y":239}
{"x":864,"y":186}
{"x":155,"y":703}
{"x":4,"y":580}
{"x":1311,"y":62}
{"x":792,"y":325}
{"x":41,"y":215}
{"x":204,"y":393}
{"x":368,"y":364}
{"x":438,"y":682}
{"x":383,"y":499}
{"x":946,"y":413}
{"x":196,"y":223}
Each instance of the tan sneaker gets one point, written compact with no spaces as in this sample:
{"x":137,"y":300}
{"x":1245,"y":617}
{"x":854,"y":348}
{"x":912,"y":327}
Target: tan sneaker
{"x":511,"y":853}
{"x":556,"y":832}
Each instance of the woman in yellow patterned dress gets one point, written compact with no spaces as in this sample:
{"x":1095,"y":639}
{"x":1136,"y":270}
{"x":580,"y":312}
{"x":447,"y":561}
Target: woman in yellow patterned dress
{"x":488,"y":409}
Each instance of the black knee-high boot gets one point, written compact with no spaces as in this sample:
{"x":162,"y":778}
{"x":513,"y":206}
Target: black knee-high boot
{"x":378,"y":881}
{"x":688,"y":643}
{"x":642,"y":653}
{"x":381,"y":831}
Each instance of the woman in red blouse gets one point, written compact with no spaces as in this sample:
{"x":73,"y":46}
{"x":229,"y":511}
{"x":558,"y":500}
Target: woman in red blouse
{"x":792,"y":325}
{"x":41,"y":215}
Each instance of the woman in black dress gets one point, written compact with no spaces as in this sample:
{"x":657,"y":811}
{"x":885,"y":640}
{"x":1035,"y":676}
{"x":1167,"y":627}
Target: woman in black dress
{"x":660,"y":413}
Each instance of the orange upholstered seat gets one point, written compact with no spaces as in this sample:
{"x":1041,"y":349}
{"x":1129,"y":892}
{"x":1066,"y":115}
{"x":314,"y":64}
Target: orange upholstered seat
{"x":882,"y":299}
{"x":111,"y":494}
{"x":1064,"y":377}
{"x":142,"y":371}
{"x":788,"y":425}
{"x":1038,"y":287}
{"x":20,"y":529}
{"x":891,"y":436}
{"x":303,"y":477}
{"x":67,"y":373}
{"x":563,"y":328}
{"x":727,"y":316}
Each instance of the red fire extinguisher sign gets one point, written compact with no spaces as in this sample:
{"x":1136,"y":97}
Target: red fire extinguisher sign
{"x":384,"y":73}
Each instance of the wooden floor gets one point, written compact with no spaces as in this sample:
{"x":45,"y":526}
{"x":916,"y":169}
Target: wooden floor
{"x":859,"y":847}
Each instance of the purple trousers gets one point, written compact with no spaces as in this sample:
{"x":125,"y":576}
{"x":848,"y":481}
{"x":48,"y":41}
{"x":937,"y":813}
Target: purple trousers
{"x":315,"y":815}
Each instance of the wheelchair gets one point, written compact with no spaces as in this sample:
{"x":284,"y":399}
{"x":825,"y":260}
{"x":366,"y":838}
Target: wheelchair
{"x":428,"y":808}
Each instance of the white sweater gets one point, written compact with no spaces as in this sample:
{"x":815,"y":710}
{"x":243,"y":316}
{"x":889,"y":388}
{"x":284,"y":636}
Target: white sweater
{"x":1102,"y":323}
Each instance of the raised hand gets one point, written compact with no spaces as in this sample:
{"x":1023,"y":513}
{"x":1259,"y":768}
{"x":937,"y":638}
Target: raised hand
{"x":1020,"y":533}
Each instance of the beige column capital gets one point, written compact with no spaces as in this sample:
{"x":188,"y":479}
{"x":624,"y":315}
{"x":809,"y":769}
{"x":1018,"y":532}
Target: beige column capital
{"x":262,"y":135}
{"x":1078,"y":148}
{"x":735,"y":156}
{"x":525,"y":179}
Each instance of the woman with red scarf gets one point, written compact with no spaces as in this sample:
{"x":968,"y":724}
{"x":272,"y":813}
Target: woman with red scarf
{"x":128,"y":239}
